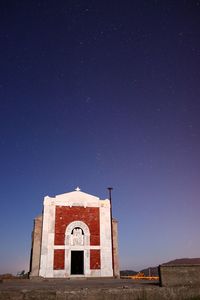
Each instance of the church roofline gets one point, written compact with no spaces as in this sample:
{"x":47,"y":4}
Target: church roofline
{"x":74,"y":194}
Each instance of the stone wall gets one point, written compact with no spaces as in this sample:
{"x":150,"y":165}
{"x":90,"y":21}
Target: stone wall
{"x":36,"y":246}
{"x":115,"y":248}
{"x":139,"y":293}
{"x":179,"y":275}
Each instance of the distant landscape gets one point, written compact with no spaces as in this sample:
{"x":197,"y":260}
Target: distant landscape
{"x":153,"y":271}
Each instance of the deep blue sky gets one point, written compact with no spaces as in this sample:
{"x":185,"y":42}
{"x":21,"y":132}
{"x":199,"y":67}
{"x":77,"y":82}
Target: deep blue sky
{"x":97,"y":94}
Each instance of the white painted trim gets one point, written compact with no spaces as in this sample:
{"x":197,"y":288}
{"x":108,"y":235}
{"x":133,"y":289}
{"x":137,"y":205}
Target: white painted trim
{"x":85,"y":247}
{"x":106,"y":243}
{"x":77,"y":247}
{"x":47,"y":247}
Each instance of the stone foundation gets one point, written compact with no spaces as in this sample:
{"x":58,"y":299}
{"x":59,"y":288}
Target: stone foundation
{"x":179,"y":275}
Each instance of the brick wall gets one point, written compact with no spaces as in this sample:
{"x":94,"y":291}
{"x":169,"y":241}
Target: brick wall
{"x":95,"y":262}
{"x":64,"y":216}
{"x":59,"y":259}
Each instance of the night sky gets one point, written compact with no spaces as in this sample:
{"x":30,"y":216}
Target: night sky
{"x":96,"y":94}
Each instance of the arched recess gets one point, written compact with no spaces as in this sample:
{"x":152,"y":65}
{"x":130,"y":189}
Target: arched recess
{"x":81,"y":225}
{"x":83,"y":244}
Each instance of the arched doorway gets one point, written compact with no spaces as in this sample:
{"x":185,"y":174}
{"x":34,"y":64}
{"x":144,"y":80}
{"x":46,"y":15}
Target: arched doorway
{"x":77,"y":250}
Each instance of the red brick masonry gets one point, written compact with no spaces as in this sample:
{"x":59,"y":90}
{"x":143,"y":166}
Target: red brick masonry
{"x":95,"y":262}
{"x":59,"y":259}
{"x":64,"y":216}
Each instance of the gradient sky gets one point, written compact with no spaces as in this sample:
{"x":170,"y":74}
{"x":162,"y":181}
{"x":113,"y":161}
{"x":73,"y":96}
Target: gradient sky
{"x":97,"y":94}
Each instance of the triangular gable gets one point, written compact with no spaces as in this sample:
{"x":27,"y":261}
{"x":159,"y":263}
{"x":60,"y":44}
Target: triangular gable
{"x":76,"y":195}
{"x":74,"y":198}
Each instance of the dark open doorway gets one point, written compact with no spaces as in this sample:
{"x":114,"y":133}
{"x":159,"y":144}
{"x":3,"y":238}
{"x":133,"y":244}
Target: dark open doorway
{"x":77,"y":263}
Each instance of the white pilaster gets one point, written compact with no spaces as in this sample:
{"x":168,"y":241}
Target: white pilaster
{"x":105,"y":238}
{"x":46,"y":263}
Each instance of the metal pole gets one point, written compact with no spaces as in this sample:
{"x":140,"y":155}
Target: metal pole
{"x":111,"y":223}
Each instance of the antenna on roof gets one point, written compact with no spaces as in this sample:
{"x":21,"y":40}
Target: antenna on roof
{"x":110,"y":193}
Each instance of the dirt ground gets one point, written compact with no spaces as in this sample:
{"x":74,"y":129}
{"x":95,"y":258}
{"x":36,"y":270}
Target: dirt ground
{"x":92,"y":289}
{"x":71,"y":284}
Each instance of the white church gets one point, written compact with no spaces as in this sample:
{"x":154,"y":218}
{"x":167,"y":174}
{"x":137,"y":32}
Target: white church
{"x":75,"y":236}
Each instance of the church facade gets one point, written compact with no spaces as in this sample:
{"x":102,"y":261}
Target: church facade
{"x":75,"y":237}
